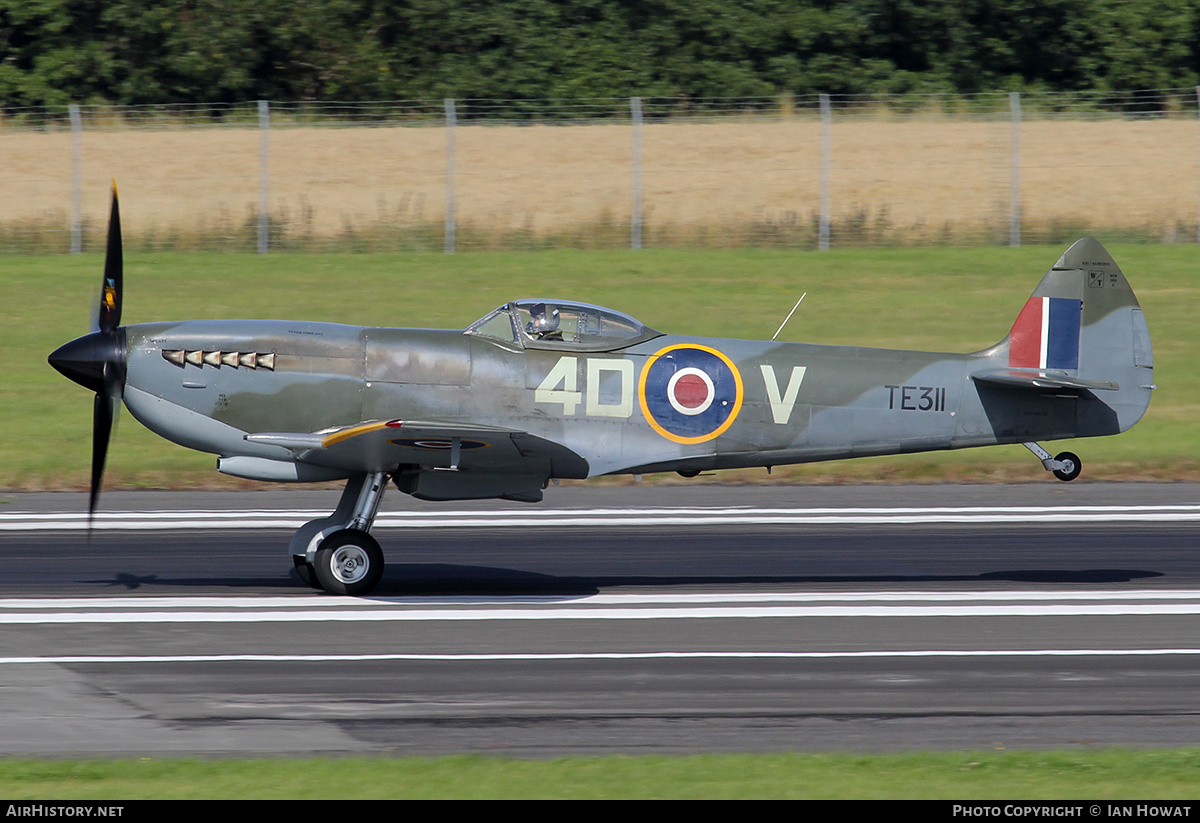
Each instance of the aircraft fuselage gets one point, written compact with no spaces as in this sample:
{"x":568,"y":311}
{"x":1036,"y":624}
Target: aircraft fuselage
{"x":737,"y":402}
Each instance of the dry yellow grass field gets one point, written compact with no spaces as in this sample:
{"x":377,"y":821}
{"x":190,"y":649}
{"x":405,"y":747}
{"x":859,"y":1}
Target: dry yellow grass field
{"x":917,"y":179}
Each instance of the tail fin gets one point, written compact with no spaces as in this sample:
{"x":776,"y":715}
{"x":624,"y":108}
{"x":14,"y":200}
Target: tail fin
{"x":1062,"y":325}
{"x":1082,"y":331}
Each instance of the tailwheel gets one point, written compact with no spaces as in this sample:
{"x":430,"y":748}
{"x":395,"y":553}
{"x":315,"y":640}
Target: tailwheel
{"x":1066,"y":466}
{"x":348,"y":562}
{"x":1071,"y":466}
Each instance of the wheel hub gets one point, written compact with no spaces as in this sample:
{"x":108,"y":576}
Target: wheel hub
{"x":350,"y":564}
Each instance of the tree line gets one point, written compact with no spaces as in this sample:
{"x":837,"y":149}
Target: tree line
{"x":54,"y":52}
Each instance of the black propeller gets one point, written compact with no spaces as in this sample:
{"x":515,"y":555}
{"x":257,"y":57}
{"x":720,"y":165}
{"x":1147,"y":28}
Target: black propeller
{"x":97,"y":361}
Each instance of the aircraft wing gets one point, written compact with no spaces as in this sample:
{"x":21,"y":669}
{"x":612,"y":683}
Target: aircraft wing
{"x":384,"y":445}
{"x":1040,"y":380}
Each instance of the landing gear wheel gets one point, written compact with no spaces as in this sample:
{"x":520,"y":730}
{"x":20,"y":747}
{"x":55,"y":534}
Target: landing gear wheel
{"x":306,"y":571}
{"x":349,"y":562}
{"x":1072,"y":469}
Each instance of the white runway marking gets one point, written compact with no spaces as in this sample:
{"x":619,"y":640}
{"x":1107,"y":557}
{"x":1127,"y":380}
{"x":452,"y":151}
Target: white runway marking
{"x":651,"y":606}
{"x":706,"y":655}
{"x":320,"y":609}
{"x":313,"y":600}
{"x":284,"y":519}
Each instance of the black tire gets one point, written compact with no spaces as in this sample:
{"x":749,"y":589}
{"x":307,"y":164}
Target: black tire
{"x":306,"y":571}
{"x":1073,"y":469}
{"x":349,"y":562}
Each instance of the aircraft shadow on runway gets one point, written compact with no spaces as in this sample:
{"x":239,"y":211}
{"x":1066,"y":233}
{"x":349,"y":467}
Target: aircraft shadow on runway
{"x":455,"y":579}
{"x":452,"y":579}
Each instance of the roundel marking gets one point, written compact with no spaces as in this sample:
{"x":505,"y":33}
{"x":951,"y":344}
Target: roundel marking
{"x":690,"y":393}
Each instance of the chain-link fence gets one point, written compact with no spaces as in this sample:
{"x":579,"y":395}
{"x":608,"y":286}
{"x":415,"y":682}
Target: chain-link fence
{"x":822,"y":171}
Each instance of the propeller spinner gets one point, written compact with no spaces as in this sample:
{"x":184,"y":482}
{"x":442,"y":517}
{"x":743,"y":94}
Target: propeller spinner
{"x":97,"y":361}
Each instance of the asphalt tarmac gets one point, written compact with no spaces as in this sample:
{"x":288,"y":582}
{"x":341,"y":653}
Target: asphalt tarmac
{"x":636,"y":619}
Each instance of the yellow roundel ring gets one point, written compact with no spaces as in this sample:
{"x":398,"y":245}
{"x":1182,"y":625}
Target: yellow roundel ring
{"x":690,"y":393}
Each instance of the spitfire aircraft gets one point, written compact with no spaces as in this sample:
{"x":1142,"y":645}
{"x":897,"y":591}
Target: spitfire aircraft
{"x":543,"y":389}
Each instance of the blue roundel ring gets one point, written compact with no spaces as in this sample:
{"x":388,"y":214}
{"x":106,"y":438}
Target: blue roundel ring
{"x":690,"y":393}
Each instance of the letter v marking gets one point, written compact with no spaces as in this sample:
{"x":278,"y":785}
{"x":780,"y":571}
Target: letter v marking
{"x":781,"y":407}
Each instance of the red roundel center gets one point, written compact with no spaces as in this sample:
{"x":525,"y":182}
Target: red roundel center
{"x":691,"y":391}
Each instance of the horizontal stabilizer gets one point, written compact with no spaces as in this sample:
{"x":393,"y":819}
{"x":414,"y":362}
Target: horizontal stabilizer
{"x":1040,"y":380}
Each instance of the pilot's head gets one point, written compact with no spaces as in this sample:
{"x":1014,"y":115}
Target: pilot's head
{"x":543,"y":319}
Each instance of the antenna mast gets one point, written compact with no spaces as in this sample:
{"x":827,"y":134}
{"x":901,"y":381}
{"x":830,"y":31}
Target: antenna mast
{"x":789,"y":317}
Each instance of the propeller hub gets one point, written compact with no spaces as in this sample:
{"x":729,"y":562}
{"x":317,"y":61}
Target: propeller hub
{"x":95,"y":361}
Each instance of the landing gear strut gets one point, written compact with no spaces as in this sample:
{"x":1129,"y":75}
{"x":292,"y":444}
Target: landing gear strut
{"x":1066,"y":466}
{"x":337,"y":553}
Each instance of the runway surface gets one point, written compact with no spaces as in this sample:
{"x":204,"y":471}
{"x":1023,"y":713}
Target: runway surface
{"x":631,"y":619}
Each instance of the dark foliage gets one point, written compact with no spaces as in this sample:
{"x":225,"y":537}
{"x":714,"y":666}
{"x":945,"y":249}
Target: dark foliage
{"x":162,"y":51}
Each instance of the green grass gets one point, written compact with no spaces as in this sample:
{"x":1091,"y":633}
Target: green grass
{"x":938,"y":299}
{"x":1092,"y":775}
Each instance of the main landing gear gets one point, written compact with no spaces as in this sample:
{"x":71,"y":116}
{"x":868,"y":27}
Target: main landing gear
{"x":337,"y":553}
{"x":1066,"y":466}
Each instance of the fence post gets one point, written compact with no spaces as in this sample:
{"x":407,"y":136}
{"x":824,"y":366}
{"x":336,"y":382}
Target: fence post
{"x":826,"y":164}
{"x":635,"y":220}
{"x":451,"y":206}
{"x":1198,"y":174}
{"x":76,"y":179}
{"x":1014,"y":165}
{"x":264,"y":176}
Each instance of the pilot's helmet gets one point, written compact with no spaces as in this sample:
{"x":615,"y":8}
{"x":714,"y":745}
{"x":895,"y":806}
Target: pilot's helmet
{"x":543,"y":319}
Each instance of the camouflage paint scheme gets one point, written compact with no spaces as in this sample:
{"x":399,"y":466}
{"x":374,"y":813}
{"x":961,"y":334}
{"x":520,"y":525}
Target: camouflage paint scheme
{"x":494,"y":411}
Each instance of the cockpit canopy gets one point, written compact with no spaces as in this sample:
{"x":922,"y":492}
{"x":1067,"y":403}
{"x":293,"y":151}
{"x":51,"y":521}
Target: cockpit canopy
{"x":558,"y":324}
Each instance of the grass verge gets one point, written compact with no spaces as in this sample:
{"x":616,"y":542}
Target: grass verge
{"x":1009,"y":776}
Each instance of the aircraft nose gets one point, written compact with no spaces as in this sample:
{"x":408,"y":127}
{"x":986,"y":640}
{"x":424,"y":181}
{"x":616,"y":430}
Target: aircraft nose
{"x":89,"y":359}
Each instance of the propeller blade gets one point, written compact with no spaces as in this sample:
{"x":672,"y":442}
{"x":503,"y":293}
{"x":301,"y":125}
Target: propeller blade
{"x":102,"y":426}
{"x":97,"y":361}
{"x":109,"y":316}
